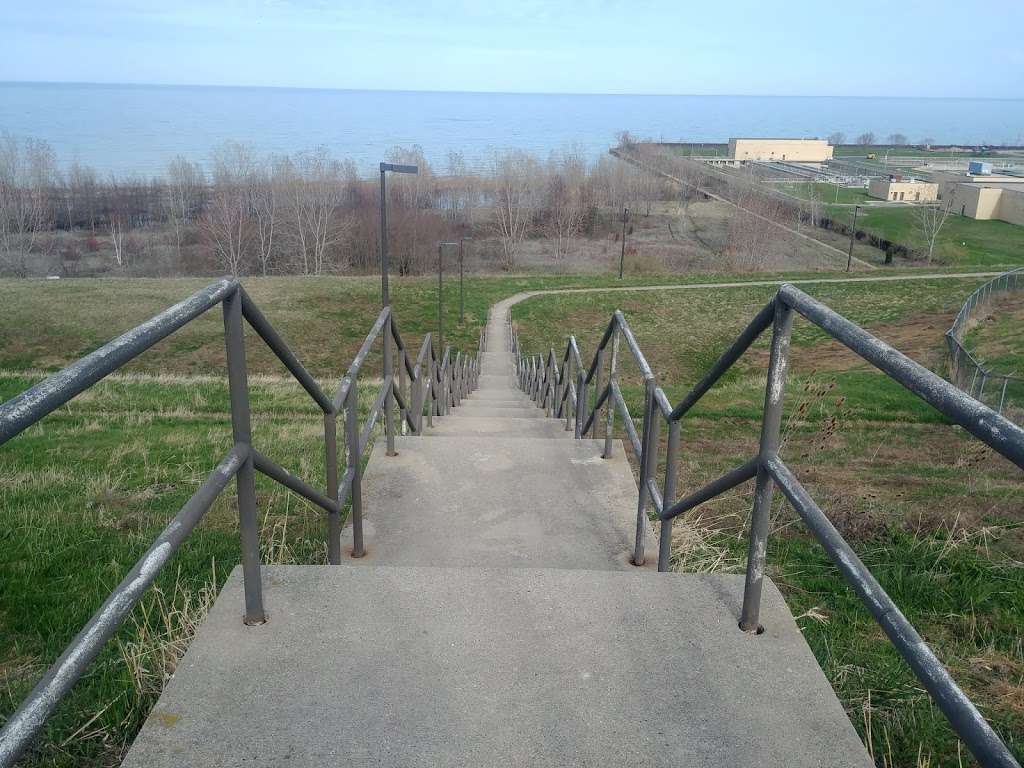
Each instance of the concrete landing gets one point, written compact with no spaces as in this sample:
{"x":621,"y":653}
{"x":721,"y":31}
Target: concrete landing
{"x":499,"y":502}
{"x":436,"y":667}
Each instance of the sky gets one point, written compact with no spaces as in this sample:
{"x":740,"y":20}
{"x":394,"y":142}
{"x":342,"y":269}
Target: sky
{"x":800,"y":47}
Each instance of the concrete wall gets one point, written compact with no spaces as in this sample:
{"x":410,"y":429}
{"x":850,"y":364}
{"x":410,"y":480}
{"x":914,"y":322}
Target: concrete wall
{"x":908,"y":191}
{"x":796,"y":150}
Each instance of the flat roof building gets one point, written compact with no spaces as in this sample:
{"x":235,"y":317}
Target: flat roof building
{"x":904,"y":190}
{"x":792,"y":150}
{"x":983,"y":201}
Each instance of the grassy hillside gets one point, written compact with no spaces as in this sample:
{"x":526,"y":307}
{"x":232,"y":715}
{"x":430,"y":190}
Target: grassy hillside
{"x":935,"y":515}
{"x":87,"y":490}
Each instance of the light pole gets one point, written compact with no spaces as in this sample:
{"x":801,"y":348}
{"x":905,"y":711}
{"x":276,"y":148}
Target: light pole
{"x":385,"y":297}
{"x":622,"y":255}
{"x":853,"y":231}
{"x":462,"y":290}
{"x":440,"y":295}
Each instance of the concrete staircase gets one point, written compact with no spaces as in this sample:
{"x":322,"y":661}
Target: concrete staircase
{"x":496,"y":620}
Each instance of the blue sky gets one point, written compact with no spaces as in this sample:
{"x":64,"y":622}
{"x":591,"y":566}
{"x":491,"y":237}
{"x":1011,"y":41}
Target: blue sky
{"x":804,"y":47}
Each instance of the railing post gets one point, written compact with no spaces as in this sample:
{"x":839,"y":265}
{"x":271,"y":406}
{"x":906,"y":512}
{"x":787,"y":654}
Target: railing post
{"x":581,"y":402}
{"x":778,"y":363}
{"x":241,"y":430}
{"x":403,"y":359}
{"x":389,"y":400}
{"x":668,"y":495}
{"x":431,"y":370}
{"x":567,"y":378}
{"x":598,"y":375}
{"x":331,"y":459}
{"x":355,"y":461}
{"x":648,"y":451}
{"x":613,"y":378}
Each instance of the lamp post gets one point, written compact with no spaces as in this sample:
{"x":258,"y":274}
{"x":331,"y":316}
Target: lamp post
{"x":440,"y":294}
{"x":622,"y":255}
{"x":853,"y":231}
{"x":385,"y":297}
{"x":462,"y":289}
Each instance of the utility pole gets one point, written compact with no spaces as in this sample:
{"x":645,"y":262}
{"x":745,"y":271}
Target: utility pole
{"x":462,"y":289}
{"x":853,"y":231}
{"x":622,"y":256}
{"x":385,"y":297}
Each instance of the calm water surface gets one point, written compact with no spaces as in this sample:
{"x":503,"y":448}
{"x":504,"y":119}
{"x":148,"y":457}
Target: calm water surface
{"x":139,"y":129}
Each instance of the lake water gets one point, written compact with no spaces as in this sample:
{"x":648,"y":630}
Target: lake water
{"x":139,"y":129}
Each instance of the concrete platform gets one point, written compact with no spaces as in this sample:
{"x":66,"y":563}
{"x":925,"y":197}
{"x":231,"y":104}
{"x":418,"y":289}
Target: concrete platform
{"x":498,"y":427}
{"x":437,"y":667}
{"x":499,"y":502}
{"x":514,"y":412}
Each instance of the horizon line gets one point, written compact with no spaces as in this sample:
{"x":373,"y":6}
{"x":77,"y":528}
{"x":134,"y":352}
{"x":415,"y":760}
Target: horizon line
{"x":496,"y":93}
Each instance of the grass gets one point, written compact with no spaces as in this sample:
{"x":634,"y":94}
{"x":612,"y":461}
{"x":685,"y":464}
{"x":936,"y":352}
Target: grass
{"x":85,"y":491}
{"x":934,"y":514}
{"x":827,"y":193}
{"x":962,"y":240}
{"x":898,"y":150}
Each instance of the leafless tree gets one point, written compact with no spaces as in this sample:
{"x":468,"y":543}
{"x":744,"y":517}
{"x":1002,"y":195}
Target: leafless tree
{"x":866,"y":139}
{"x":837,"y":138}
{"x":226,"y":218}
{"x":183,"y":196}
{"x":514,"y":175}
{"x":565,"y":198}
{"x":264,"y":194}
{"x":930,"y":219}
{"x":897,"y":139}
{"x":314,"y":183}
{"x":27,"y":174}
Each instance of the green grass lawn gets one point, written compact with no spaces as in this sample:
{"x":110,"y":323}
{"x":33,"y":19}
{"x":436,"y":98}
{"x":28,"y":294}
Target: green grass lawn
{"x":827,"y":193}
{"x":702,"y":150}
{"x":935,"y":514}
{"x":85,"y":491}
{"x":849,"y":150}
{"x":962,"y":241}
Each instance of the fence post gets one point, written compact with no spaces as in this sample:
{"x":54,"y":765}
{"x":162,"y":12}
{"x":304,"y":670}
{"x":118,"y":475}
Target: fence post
{"x":241,"y":430}
{"x":778,"y":363}
{"x":333,"y":517}
{"x":668,"y":495}
{"x":389,"y":401}
{"x":355,"y":461}
{"x":613,"y":378}
{"x":433,"y":389}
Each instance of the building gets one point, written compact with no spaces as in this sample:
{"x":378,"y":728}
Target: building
{"x":792,"y":150}
{"x":986,"y":200}
{"x":907,"y":190}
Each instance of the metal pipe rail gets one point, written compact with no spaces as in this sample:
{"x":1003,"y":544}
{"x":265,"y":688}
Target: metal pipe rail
{"x":431,"y":384}
{"x":967,"y":371}
{"x":547,"y":382}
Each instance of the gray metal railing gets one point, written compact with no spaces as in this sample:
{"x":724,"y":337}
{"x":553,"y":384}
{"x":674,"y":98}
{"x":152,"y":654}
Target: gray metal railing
{"x":562,"y":386}
{"x":434,"y":384}
{"x":965,"y":369}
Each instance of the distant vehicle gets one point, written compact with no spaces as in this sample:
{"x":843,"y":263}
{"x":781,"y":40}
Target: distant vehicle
{"x":872,"y":156}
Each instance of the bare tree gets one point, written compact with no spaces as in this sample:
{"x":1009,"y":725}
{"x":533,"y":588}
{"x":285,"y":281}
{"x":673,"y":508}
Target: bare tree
{"x":866,"y":139}
{"x":514,"y":175}
{"x":183,"y":195}
{"x":314,"y":184}
{"x":837,"y":138}
{"x":930,"y":219}
{"x":27,"y":174}
{"x":897,"y":139}
{"x":226,"y":218}
{"x":263,"y":202}
{"x":565,"y":198}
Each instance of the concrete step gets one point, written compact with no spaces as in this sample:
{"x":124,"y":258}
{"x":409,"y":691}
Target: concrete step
{"x":496,"y":381}
{"x":514,"y":411}
{"x":501,"y":502}
{"x":509,"y":401}
{"x":497,"y":427}
{"x":496,"y":667}
{"x":498,"y":394}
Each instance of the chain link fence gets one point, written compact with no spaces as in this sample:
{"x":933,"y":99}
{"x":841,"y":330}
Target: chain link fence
{"x":967,"y":371}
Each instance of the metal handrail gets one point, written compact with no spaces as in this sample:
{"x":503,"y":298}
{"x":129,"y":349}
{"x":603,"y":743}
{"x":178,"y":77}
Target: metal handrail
{"x":410,"y":393}
{"x":539,"y":380}
{"x":965,"y":369}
